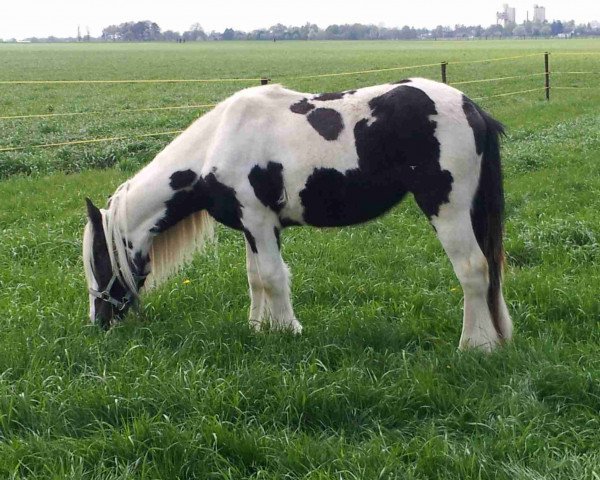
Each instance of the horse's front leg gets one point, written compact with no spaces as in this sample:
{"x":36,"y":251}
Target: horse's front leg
{"x":257,"y":292}
{"x":269,"y":277}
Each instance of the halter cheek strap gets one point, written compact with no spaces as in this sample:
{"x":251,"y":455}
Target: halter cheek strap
{"x":107,"y":297}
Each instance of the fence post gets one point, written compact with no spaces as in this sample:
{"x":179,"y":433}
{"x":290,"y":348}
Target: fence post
{"x":264,"y":81}
{"x":547,"y":71}
{"x":444,"y":64}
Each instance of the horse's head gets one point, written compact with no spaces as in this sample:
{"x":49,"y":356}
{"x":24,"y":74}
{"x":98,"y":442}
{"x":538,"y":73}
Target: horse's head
{"x":109,"y":297}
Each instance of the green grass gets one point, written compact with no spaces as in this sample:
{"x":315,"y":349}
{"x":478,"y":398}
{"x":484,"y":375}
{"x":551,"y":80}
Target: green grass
{"x":282,"y":61}
{"x":375,"y":387}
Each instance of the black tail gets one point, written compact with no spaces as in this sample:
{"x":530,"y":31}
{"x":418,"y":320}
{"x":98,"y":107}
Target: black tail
{"x":487,"y":214}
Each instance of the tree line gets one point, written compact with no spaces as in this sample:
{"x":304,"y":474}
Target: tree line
{"x":145,"y":31}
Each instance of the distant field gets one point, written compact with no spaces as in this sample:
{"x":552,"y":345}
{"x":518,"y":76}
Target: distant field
{"x":374,"y":388}
{"x":281,"y":61}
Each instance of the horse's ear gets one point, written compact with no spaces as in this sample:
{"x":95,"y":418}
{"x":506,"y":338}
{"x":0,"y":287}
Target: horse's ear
{"x":93,"y":213}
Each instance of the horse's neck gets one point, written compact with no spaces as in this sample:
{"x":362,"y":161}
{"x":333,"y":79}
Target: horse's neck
{"x":150,"y":189}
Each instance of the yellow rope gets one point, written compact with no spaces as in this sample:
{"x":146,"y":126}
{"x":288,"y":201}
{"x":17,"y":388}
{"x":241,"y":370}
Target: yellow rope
{"x":91,"y":140}
{"x":208,"y":80}
{"x":70,"y":114}
{"x":217,"y":80}
{"x":497,"y":78}
{"x":213,"y":80}
{"x":66,"y":82}
{"x":324,"y":75}
{"x":575,"y":88}
{"x":576,"y":73}
{"x":499,"y":59}
{"x":575,"y":53}
{"x":359,"y":72}
{"x":510,"y":93}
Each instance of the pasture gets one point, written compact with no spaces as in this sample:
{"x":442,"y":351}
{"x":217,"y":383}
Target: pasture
{"x":375,"y":387}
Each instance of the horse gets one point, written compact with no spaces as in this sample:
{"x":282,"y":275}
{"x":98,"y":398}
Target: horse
{"x":268,"y":158}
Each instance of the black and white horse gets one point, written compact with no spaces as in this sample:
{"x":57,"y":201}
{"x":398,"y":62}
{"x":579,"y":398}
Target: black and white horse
{"x":268,"y":158}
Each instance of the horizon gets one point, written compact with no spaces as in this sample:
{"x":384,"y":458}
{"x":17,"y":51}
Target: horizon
{"x":64,"y":17}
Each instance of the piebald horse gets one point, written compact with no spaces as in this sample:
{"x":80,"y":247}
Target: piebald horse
{"x":267,"y":158}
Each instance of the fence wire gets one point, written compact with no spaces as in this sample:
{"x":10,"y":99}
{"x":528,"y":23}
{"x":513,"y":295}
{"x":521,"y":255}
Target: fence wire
{"x":566,"y":54}
{"x":107,"y":112}
{"x":264,"y":80}
{"x":573,"y":88}
{"x":222,"y":80}
{"x":507,"y":94}
{"x":90,"y":140}
{"x":497,"y":59}
{"x":70,"y":82}
{"x":497,"y":79}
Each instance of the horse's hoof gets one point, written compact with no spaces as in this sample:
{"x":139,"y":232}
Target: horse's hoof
{"x":483,"y":345}
{"x":296,"y":327}
{"x":255,"y":325}
{"x":292,"y":326}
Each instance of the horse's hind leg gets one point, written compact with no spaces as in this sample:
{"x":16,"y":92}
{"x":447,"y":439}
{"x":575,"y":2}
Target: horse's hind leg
{"x":470,"y":265}
{"x":267,"y":266}
{"x":454,"y":227}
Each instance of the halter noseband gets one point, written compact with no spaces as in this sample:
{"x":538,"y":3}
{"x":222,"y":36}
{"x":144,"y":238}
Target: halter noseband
{"x":105,"y":295}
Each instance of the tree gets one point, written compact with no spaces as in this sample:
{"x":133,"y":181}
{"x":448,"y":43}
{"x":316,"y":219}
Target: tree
{"x":111,"y":33}
{"x":171,"y":36}
{"x":228,"y":34}
{"x":556,"y":27}
{"x":546,"y":30}
{"x":407,"y":32}
{"x":195,"y":33}
{"x":520,"y":31}
{"x":438,"y":32}
{"x":332,"y":32}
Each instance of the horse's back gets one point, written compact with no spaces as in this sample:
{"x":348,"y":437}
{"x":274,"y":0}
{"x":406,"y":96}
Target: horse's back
{"x":346,"y":157}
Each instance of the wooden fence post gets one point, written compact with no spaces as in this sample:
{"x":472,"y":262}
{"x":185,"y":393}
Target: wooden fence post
{"x":444,"y":65}
{"x":547,"y":71}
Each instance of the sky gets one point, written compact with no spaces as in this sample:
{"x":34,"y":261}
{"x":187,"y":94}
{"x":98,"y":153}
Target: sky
{"x":42,"y":18}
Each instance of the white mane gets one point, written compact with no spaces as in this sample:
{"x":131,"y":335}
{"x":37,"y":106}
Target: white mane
{"x":169,"y":251}
{"x":176,"y":246}
{"x":114,"y":222}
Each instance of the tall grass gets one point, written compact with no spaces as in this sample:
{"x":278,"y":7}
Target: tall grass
{"x":374,"y":388}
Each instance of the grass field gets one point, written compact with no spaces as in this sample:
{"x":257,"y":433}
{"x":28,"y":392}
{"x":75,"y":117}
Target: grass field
{"x":375,"y":387}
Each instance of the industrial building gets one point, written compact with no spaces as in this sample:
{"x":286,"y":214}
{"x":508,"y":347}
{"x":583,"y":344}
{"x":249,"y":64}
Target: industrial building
{"x":539,"y":14}
{"x":507,"y":15}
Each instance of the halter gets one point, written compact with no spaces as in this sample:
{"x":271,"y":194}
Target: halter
{"x":105,"y":295}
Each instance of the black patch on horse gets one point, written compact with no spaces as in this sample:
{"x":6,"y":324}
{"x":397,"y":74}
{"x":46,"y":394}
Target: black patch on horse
{"x":350,"y":92}
{"x":102,"y":268}
{"x":277,"y":237}
{"x":268,"y":185}
{"x":288,"y":222}
{"x":476,"y":122}
{"x":397,"y":153}
{"x":205,"y":194}
{"x":182,"y":204}
{"x":302,"y":107}
{"x":139,"y":263}
{"x":327,"y":122}
{"x":182,"y":179}
{"x":100,"y":258}
{"x":223,"y":204}
{"x":251,"y":240}
{"x":326,"y":97}
{"x":403,"y":81}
